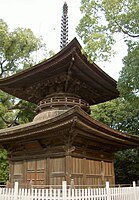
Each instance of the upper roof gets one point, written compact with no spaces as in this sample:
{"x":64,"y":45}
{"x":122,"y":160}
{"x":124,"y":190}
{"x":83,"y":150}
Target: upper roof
{"x":68,"y":71}
{"x":87,"y":131}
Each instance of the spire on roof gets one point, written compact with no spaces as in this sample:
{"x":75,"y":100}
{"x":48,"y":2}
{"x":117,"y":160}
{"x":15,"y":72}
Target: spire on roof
{"x":64,"y":27}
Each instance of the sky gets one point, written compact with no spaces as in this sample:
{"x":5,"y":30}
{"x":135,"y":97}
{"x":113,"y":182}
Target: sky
{"x":43,"y":17}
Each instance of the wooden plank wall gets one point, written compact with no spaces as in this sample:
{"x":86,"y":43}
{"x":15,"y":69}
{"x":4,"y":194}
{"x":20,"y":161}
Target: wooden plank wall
{"x":52,"y":171}
{"x":57,"y":171}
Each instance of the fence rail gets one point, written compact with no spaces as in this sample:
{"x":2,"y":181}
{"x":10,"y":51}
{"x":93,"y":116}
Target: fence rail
{"x":107,"y":193}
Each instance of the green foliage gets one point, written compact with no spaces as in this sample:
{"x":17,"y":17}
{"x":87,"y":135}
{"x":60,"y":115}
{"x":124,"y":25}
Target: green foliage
{"x":127,"y":166}
{"x":128,"y":83}
{"x":27,"y":112}
{"x":5,"y":109}
{"x":95,"y":36}
{"x":118,"y":114}
{"x":14,"y":111}
{"x":16,"y":48}
{"x":101,"y":20}
{"x":4,"y":167}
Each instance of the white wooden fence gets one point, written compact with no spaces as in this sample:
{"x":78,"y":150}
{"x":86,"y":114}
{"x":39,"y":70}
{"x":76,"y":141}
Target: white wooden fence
{"x":107,"y":193}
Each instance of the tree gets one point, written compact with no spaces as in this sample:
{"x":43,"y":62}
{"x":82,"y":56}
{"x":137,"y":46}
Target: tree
{"x":128,"y":83}
{"x":4,"y":167}
{"x":16,"y":48}
{"x":101,"y":20}
{"x":127,"y":166}
{"x":118,"y":114}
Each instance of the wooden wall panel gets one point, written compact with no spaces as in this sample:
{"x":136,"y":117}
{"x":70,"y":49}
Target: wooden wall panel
{"x":17,"y":172}
{"x":93,"y":167}
{"x":108,"y":169}
{"x":31,"y":165}
{"x":78,"y":181}
{"x":18,"y":168}
{"x":91,"y":172}
{"x":56,"y":171}
{"x":57,"y":165}
{"x":40,"y":165}
{"x":56,"y":181}
{"x":77,"y":165}
{"x":94,"y":181}
{"x":109,"y":172}
{"x":77,"y":170}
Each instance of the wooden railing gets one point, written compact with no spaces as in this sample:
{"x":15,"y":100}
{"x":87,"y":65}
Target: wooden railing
{"x":69,"y":101}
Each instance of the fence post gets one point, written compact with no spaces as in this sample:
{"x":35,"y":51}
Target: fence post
{"x":64,"y":190}
{"x":108,"y":191}
{"x":134,"y":190}
{"x":72,"y":184}
{"x":15,"y":190}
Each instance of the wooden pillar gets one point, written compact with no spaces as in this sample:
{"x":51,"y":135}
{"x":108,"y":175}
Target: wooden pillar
{"x":113,"y":173}
{"x":45,"y":171}
{"x":84,"y":171}
{"x":102,"y":172}
{"x":11,"y":172}
{"x":25,"y":172}
{"x":68,"y":168}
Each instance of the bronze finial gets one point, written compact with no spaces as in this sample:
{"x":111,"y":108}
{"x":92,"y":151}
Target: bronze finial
{"x":64,"y":27}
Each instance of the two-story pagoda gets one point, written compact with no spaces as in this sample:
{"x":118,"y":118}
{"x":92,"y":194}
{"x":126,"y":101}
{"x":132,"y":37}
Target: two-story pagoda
{"x":63,"y":142}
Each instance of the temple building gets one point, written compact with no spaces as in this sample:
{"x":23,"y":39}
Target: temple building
{"x":63,"y":142}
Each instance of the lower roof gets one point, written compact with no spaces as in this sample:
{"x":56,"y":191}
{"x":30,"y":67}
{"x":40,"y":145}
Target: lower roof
{"x":75,"y":120}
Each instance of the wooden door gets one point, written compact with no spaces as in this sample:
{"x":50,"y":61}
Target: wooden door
{"x":36,"y":172}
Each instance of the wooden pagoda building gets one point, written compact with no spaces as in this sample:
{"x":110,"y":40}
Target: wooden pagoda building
{"x":63,"y":142}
